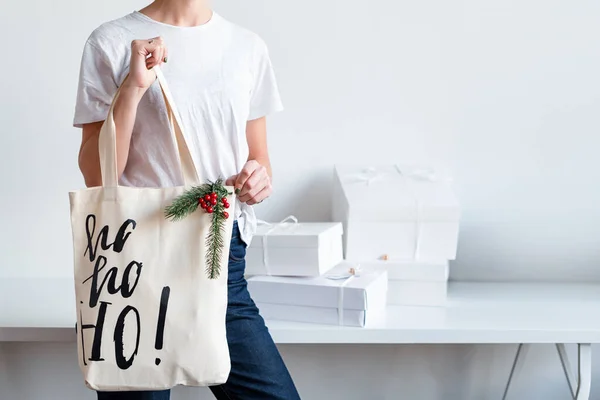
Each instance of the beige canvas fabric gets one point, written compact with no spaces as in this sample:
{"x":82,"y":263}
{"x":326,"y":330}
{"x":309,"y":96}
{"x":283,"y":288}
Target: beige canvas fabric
{"x":148,"y":316}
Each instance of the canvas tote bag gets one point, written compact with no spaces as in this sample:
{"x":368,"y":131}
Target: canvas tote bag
{"x":149,"y":314}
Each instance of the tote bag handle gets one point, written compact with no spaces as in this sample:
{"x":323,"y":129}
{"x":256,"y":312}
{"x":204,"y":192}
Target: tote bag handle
{"x":107,"y":142}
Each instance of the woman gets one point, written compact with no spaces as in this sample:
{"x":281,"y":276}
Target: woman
{"x":222,"y":81}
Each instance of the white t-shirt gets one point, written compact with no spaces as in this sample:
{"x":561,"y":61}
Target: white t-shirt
{"x":220,"y":76}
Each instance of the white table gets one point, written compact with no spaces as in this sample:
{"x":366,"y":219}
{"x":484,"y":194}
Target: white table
{"x":477,"y":313}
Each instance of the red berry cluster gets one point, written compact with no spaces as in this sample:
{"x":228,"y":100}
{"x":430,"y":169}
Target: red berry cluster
{"x":210,"y":201}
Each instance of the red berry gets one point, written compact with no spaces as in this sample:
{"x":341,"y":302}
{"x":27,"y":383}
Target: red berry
{"x":213,"y":202}
{"x":226,"y":205}
{"x":207,"y":197}
{"x":225,"y":214}
{"x":213,"y":195}
{"x":209,"y":210}
{"x":224,"y":200}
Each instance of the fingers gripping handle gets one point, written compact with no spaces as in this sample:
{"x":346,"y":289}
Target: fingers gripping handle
{"x":107,"y":143}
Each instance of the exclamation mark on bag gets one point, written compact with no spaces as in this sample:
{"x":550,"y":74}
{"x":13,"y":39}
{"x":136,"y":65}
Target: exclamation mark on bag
{"x":162,"y":315}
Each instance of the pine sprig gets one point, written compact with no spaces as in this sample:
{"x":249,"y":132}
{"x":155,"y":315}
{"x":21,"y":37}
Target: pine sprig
{"x":214,"y":246}
{"x":188,"y":203}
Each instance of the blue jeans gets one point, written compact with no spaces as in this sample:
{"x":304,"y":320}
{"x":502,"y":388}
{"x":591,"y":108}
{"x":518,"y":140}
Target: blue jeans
{"x":257,"y":369}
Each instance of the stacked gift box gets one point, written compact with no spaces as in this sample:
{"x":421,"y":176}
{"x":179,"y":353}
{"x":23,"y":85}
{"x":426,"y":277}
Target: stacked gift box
{"x":418,"y":283}
{"x":395,"y":230}
{"x":294,"y":249}
{"x":405,"y":218}
{"x":296,"y":272}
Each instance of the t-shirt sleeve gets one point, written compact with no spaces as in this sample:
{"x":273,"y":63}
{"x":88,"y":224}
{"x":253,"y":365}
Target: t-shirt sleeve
{"x":265,"y":98}
{"x":97,"y":86}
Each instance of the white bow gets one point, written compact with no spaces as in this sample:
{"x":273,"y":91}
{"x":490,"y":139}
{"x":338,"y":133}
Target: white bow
{"x":367,"y":176}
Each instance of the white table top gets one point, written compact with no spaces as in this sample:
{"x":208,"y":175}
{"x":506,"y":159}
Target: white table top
{"x":476,"y":313}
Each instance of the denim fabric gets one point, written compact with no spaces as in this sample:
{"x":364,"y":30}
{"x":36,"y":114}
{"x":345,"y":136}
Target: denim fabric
{"x":257,"y":369}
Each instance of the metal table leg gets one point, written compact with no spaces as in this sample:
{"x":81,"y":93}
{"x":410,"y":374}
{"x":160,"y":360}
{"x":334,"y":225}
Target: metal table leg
{"x":517,"y":366}
{"x":564,"y":360}
{"x":584,"y":375}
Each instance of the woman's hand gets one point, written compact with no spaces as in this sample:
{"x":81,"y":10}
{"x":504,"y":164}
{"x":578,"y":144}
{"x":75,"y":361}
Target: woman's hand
{"x":145,"y":54}
{"x":252,"y":184}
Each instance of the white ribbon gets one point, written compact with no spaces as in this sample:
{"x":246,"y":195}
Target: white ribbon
{"x":408,"y":175}
{"x":274,"y":227}
{"x":346,"y":279}
{"x":370,"y":174}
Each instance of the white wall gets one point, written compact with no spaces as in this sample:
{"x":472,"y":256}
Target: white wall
{"x":503,"y":93}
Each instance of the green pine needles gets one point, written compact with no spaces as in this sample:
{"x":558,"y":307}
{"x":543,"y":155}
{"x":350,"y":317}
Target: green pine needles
{"x":212,"y":198}
{"x":214,"y":246}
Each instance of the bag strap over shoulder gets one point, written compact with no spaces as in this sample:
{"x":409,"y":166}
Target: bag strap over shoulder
{"x":107,"y":142}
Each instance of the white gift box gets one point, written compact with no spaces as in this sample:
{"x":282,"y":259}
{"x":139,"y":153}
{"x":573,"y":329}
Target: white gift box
{"x":404,"y":213}
{"x":294,"y":249}
{"x":418,"y":283}
{"x":337,"y":298}
{"x":415,"y":293}
{"x":422,"y":271}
